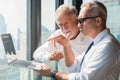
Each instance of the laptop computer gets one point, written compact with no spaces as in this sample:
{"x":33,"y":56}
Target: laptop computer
{"x":10,"y":55}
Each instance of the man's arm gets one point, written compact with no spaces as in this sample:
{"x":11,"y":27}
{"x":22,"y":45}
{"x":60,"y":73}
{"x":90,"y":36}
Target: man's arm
{"x":42,"y":53}
{"x":48,"y":51}
{"x":69,"y":56}
{"x":48,"y":72}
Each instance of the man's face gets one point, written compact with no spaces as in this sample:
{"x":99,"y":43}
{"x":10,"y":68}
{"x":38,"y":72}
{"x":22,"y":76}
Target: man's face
{"x":87,"y":23}
{"x":68,"y":25}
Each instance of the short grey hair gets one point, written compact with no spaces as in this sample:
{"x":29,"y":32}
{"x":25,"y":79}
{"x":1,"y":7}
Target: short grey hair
{"x":66,"y":9}
{"x":97,"y":9}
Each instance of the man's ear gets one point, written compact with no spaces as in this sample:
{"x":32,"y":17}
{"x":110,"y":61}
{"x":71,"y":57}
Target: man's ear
{"x":98,"y":20}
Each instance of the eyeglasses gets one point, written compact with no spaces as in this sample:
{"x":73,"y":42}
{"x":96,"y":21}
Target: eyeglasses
{"x":81,"y":20}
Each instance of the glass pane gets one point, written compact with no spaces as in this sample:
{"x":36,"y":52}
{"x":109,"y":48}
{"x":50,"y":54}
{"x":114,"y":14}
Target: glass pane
{"x":48,"y":24}
{"x":13,"y":21}
{"x":67,"y":1}
{"x":47,"y":18}
{"x":113,"y":18}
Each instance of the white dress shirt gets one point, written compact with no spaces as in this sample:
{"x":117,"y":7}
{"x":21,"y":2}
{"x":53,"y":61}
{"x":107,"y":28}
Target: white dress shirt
{"x":102,"y":61}
{"x":79,"y":44}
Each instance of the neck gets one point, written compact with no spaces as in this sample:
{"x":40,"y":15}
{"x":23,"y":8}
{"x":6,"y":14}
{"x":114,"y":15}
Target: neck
{"x":97,"y":32}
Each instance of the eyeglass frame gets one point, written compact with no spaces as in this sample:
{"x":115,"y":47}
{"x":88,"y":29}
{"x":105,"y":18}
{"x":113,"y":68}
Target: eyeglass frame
{"x":81,"y":20}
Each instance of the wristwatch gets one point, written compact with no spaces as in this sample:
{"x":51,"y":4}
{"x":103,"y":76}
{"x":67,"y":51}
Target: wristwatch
{"x":53,"y":74}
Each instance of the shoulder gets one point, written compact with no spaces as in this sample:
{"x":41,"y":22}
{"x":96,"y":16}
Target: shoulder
{"x":108,"y":43}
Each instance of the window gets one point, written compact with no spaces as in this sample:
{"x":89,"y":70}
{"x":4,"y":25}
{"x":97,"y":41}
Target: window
{"x":47,"y":18}
{"x":47,"y":24}
{"x":113,"y":8}
{"x":13,"y":21}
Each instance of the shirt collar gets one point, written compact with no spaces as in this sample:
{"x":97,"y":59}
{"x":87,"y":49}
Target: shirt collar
{"x":100,"y":36}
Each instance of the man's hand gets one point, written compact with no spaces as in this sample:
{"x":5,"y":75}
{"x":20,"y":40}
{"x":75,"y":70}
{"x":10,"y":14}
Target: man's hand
{"x":45,"y":70}
{"x":56,"y":56}
{"x":60,"y":39}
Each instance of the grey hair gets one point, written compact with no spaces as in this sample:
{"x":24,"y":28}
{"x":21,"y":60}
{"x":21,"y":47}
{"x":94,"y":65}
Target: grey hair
{"x":97,"y":9}
{"x":66,"y":9}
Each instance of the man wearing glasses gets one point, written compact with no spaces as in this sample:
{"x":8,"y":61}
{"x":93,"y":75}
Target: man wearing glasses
{"x":102,"y":60}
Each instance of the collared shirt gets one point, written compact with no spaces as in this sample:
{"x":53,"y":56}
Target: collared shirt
{"x":102,"y":61}
{"x":79,"y":44}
